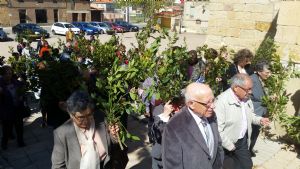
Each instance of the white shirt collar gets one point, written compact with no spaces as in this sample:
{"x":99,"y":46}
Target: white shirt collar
{"x":197,"y":118}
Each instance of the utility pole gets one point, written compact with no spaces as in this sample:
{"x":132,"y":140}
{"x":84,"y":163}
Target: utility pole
{"x":127,"y":14}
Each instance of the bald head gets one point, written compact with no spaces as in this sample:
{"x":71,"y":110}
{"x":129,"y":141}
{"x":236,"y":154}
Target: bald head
{"x":196,"y":91}
{"x":199,"y":98}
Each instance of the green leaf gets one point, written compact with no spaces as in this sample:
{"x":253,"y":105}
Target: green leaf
{"x":128,"y":135}
{"x":132,"y":96}
{"x":135,"y":138}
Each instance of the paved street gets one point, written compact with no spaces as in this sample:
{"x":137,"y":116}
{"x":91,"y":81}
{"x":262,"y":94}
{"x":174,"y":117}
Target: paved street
{"x":37,"y":153}
{"x":128,"y":39}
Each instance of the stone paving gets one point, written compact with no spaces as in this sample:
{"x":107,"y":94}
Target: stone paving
{"x":39,"y":141}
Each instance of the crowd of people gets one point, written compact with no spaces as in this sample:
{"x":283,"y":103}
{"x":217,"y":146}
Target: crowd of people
{"x":195,"y":130}
{"x":209,"y":132}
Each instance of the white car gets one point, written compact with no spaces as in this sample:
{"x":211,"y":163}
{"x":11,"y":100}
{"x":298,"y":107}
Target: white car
{"x":62,"y":27}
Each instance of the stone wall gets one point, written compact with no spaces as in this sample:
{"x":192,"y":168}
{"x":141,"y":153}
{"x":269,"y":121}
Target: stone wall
{"x":245,"y":23}
{"x":288,"y":30}
{"x":4,"y":16}
{"x":239,"y":23}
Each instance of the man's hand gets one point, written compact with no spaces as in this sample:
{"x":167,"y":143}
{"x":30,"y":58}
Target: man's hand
{"x":264,"y":121}
{"x":114,"y":130}
{"x":168,"y":109}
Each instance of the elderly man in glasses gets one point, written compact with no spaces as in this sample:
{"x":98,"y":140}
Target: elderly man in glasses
{"x":235,"y":114}
{"x":191,"y":138}
{"x":83,"y":141}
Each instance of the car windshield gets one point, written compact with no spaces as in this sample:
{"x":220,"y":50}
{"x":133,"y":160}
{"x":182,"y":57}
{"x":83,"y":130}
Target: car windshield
{"x":106,"y":25}
{"x":69,"y":26}
{"x":34,"y":26}
{"x":87,"y":24}
{"x":1,"y":29}
{"x":123,"y":23}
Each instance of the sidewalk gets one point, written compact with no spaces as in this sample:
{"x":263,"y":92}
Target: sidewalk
{"x":39,"y":141}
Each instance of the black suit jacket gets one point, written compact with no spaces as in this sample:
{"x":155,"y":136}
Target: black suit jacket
{"x":184,"y":146}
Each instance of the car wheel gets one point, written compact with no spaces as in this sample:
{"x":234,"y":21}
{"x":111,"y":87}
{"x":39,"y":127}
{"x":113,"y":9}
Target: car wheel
{"x":53,"y":32}
{"x":131,"y":30}
{"x":101,"y":31}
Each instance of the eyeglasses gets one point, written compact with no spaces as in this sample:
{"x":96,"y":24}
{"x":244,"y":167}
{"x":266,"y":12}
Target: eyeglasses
{"x":245,"y":90}
{"x":208,"y":104}
{"x":84,"y":117}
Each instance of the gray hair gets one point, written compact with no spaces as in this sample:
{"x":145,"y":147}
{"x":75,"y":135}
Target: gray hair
{"x":239,"y":80}
{"x":78,"y":102}
{"x":261,"y":65}
{"x":187,"y":96}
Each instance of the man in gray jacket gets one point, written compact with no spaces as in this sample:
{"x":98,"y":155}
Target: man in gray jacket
{"x":191,"y":139}
{"x":235,"y":115}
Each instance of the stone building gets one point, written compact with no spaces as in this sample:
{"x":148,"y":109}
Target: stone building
{"x":246,"y":23}
{"x":195,"y":16}
{"x":43,"y":12}
{"x":105,"y":10}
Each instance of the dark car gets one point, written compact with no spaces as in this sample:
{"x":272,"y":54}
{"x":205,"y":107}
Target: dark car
{"x":128,"y":26}
{"x":32,"y":30}
{"x":86,"y":27}
{"x":115,"y":27}
{"x":3,"y":35}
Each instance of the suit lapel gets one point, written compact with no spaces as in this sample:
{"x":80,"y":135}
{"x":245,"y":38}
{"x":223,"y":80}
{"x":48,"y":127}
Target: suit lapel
{"x":215,"y":131}
{"x":195,"y":131}
{"x":74,"y":143}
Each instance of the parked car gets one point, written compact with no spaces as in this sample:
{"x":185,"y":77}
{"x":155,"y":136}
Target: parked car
{"x":62,"y":27}
{"x":3,"y":35}
{"x":115,"y":27}
{"x":86,"y":27}
{"x":31,"y":30}
{"x":129,"y":27}
{"x":103,"y":28}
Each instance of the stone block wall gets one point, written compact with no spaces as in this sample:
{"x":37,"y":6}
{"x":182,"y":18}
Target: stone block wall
{"x":4,"y":16}
{"x":239,"y":23}
{"x":245,"y":23}
{"x":288,"y":30}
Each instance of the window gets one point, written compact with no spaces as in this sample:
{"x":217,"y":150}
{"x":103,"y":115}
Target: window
{"x":22,"y":15}
{"x":74,"y":17}
{"x":60,"y":25}
{"x":54,"y":1}
{"x":41,"y":15}
{"x":55,"y":13}
{"x":40,"y":1}
{"x":20,"y":0}
{"x":83,"y":16}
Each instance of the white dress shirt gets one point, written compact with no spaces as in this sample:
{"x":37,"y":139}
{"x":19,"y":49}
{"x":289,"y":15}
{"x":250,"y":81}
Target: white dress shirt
{"x":200,"y":122}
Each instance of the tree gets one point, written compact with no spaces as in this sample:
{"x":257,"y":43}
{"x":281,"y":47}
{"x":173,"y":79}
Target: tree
{"x":150,"y":7}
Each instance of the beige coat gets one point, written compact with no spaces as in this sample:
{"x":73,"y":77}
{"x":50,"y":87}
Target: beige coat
{"x":229,"y":116}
